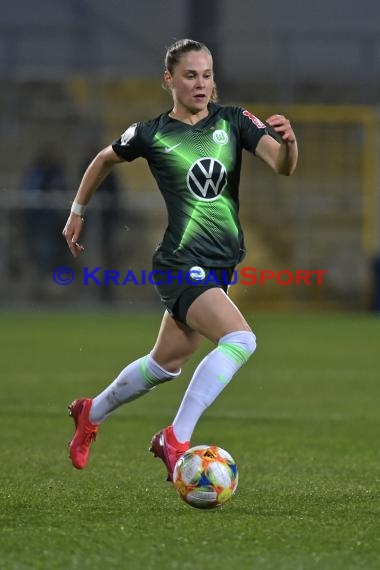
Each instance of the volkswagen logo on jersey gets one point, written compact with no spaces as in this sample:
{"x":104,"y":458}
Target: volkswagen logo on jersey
{"x":207,"y":178}
{"x":197,"y":273}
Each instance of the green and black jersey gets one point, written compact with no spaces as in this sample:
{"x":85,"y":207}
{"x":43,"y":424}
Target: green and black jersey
{"x":197,"y":169}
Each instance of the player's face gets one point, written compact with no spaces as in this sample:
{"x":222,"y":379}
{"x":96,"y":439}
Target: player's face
{"x":192,"y":82}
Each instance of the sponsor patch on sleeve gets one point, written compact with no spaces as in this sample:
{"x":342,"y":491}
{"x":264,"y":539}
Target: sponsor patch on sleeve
{"x":128,"y":134}
{"x":259,"y":124}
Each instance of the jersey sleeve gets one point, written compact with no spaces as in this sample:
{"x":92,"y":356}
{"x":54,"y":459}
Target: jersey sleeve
{"x":251,"y":129}
{"x":130,"y":144}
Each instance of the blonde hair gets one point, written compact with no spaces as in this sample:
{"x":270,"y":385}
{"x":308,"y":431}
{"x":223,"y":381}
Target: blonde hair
{"x":176,"y":51}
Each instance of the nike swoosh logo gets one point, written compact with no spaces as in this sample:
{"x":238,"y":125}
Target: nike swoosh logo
{"x":170,"y":148}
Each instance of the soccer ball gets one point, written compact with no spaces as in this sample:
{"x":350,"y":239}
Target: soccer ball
{"x":205,"y":477}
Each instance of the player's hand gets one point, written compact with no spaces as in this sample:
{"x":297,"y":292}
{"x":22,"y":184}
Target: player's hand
{"x":71,"y":233}
{"x":281,"y":125}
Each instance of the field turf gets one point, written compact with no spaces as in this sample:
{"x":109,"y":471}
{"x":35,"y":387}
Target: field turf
{"x":301,"y":420}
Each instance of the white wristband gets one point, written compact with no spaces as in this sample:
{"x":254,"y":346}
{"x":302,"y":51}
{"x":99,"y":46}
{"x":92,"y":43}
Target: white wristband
{"x":77,"y":208}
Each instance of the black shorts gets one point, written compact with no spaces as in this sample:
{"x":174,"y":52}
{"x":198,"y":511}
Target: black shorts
{"x":179,"y":286}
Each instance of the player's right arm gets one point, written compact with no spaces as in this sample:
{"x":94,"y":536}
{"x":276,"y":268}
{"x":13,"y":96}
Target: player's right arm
{"x":94,"y":175}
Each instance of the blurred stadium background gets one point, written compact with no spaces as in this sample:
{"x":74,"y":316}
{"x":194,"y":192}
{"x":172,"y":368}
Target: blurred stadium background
{"x":74,"y":74}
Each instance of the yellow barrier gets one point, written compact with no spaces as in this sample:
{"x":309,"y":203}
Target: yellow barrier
{"x":342,"y":115}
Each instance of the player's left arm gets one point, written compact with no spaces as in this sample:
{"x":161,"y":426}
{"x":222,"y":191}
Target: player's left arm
{"x":280,"y":156}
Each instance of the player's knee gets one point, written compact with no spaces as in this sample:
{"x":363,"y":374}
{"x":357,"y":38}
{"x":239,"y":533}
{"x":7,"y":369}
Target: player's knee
{"x":171,"y":374}
{"x":239,"y":345}
{"x":172,"y":364}
{"x":157,"y":374}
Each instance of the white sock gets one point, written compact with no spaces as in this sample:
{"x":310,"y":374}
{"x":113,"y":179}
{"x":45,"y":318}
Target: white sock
{"x":210,"y":378}
{"x":138,"y":378}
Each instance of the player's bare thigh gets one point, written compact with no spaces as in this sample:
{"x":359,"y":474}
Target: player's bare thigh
{"x":175,"y":343}
{"x":214,"y":315}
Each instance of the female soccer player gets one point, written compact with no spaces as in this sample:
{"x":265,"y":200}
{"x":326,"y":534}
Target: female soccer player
{"x":194,"y":152}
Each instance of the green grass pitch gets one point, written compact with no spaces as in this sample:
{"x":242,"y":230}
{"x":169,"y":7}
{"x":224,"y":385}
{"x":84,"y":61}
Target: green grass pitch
{"x":301,"y":420}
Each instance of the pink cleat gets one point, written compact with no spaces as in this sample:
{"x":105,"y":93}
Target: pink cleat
{"x":160,"y":447}
{"x":85,"y":432}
